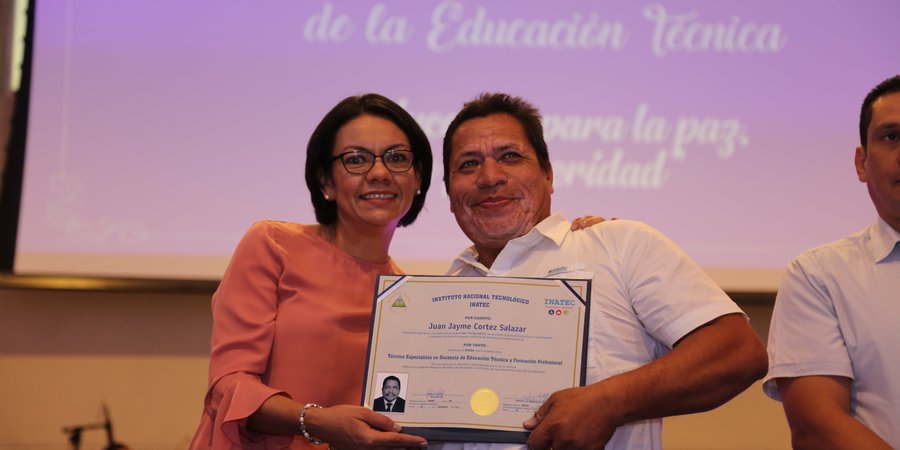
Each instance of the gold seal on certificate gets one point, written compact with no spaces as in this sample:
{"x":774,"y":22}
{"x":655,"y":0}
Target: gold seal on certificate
{"x":471,"y":358}
{"x":484,"y":402}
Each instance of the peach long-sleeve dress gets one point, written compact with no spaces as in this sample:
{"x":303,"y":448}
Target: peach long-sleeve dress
{"x":290,"y":316}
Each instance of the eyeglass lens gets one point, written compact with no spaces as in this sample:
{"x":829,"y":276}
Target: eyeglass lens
{"x":361,"y":161}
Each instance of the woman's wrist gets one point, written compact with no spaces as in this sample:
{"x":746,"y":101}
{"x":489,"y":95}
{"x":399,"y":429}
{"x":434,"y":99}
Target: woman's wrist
{"x":304,"y":423}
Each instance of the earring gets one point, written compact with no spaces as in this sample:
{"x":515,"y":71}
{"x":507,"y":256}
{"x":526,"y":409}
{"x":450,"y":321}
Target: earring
{"x":418,"y":192}
{"x":327,"y":197}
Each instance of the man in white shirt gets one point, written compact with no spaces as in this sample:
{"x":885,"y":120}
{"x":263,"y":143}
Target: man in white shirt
{"x":835,"y":333}
{"x":664,"y":339}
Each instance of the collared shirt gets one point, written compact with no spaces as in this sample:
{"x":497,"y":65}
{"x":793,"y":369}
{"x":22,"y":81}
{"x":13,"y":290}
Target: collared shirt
{"x":837,"y":313}
{"x":646,"y":294}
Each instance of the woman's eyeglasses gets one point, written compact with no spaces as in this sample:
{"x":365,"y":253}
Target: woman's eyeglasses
{"x":361,"y":161}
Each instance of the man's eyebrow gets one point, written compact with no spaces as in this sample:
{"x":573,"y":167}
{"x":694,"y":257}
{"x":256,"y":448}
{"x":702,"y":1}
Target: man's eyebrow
{"x":467,"y":153}
{"x":885,"y":126}
{"x":504,"y":147}
{"x":498,"y":149}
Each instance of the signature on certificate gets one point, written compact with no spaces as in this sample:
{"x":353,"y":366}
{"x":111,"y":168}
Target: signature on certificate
{"x":434,"y":393}
{"x":538,"y":397}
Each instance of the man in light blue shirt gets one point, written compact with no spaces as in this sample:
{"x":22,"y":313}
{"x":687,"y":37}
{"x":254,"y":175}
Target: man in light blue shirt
{"x":835,"y":334}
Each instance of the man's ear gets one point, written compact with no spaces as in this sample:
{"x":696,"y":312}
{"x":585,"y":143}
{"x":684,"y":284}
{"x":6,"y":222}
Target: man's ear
{"x":550,"y":175}
{"x":860,"y":161}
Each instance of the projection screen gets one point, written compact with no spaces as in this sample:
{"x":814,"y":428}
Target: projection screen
{"x":160,"y":130}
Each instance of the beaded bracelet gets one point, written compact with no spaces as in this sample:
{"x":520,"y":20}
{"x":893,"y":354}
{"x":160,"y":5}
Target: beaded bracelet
{"x":310,"y":438}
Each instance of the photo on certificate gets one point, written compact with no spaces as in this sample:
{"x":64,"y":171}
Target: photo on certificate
{"x":471,"y":358}
{"x":392,"y":393}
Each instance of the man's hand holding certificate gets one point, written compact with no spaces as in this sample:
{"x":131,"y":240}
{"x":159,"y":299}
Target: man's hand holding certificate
{"x":472,"y":358}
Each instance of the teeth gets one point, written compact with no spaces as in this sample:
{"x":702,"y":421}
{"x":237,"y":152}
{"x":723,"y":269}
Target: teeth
{"x":379,"y":196}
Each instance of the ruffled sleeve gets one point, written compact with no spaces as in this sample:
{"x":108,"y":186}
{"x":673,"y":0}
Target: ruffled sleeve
{"x":244,"y":309}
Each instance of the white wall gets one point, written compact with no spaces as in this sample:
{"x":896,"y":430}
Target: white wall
{"x":64,"y":353}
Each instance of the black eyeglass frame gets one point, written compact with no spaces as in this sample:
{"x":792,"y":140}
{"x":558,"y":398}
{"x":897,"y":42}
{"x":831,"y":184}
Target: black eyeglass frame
{"x":412,"y":159}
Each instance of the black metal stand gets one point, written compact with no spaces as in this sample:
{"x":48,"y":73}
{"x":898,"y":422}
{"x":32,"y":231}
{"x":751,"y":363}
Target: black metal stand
{"x":74,"y":433}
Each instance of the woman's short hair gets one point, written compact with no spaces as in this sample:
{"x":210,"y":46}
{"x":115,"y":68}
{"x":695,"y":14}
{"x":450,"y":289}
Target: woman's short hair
{"x":321,"y":145}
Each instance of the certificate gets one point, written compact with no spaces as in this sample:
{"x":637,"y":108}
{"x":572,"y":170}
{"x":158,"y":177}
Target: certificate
{"x":471,"y":358}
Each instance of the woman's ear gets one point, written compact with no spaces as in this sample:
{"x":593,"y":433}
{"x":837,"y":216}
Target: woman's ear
{"x":327,"y":187}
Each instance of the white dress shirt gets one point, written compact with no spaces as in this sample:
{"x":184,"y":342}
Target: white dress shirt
{"x":646,"y":294}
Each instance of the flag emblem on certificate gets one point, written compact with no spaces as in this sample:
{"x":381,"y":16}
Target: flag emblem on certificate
{"x":399,"y":304}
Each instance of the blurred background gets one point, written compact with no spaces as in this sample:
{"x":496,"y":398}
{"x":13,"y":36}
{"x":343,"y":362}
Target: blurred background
{"x":142,"y":138}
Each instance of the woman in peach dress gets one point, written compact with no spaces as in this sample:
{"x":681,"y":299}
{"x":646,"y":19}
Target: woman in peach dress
{"x":291,"y":314}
